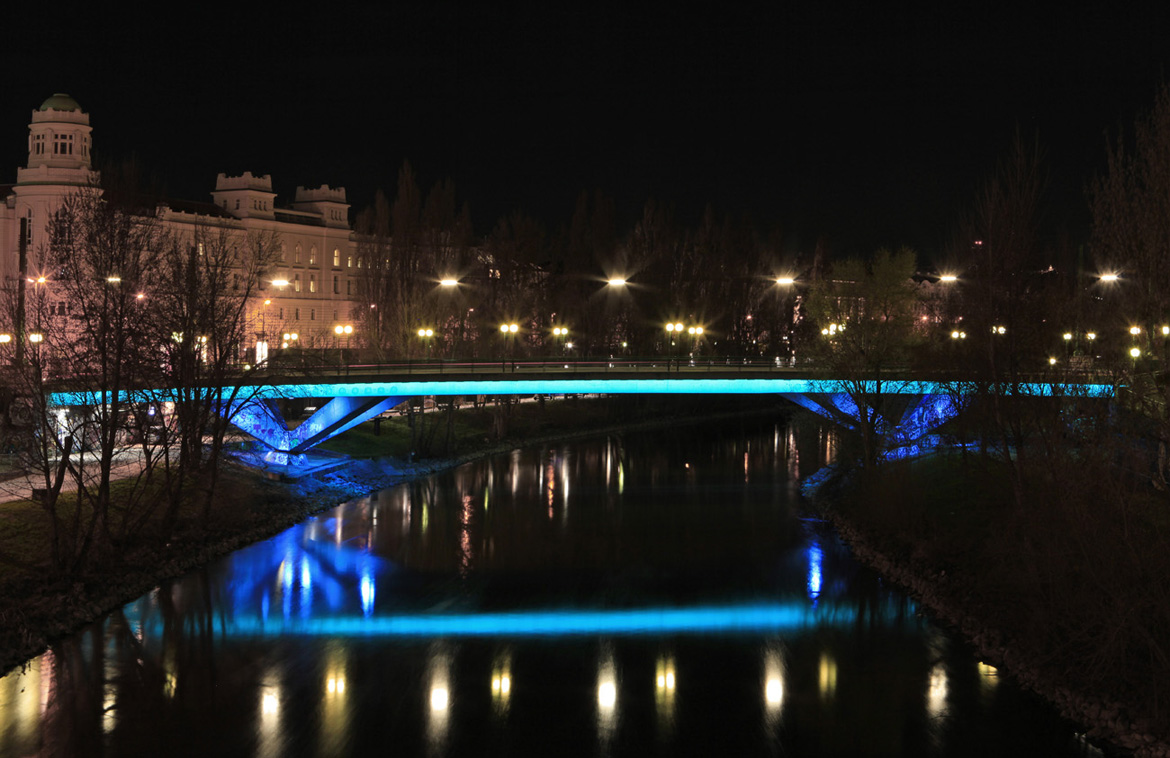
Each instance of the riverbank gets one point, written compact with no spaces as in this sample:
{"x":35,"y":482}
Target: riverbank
{"x":954,"y":564}
{"x":36,"y":609}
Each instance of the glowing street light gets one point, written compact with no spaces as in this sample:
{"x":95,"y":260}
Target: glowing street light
{"x":1067,"y":336}
{"x":1135,"y":352}
{"x":948,"y":278}
{"x":1091,"y":336}
{"x":448,"y":282}
{"x":280,"y":282}
{"x":1110,"y":277}
{"x":1135,"y":330}
{"x":617,"y":281}
{"x":785,"y":281}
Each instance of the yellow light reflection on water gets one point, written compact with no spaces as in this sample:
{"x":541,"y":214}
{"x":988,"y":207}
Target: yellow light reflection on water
{"x":827,"y":676}
{"x":438,"y":697}
{"x":335,"y":726}
{"x":607,"y":696}
{"x":664,"y":684}
{"x":269,"y":740}
{"x":936,"y":692}
{"x":502,"y":684}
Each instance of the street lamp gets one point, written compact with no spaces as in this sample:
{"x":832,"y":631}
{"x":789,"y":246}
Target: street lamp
{"x":509,"y":332}
{"x":560,"y":333}
{"x":785,"y":281}
{"x":425,"y":335}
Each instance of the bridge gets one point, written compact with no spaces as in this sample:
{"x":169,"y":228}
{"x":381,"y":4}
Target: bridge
{"x":358,"y":393}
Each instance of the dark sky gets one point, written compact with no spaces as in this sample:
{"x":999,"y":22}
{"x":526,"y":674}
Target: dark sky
{"x":869,"y":126}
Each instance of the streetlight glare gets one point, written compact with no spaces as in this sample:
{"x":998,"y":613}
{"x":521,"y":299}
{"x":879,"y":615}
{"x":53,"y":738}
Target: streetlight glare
{"x":785,"y":281}
{"x":448,"y":282}
{"x":948,"y":278}
{"x":616,"y":282}
{"x":280,"y":282}
{"x":1109,"y":277}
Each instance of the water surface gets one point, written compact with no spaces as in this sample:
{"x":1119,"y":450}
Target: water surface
{"x":654,"y":593}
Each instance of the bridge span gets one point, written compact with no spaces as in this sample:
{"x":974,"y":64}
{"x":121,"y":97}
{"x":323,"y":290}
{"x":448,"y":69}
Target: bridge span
{"x":354,"y":394}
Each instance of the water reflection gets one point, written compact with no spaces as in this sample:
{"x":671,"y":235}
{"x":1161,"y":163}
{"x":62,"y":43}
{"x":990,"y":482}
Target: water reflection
{"x":673,"y":596}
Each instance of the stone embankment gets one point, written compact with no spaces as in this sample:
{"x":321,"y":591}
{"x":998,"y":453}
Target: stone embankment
{"x":1107,"y":720}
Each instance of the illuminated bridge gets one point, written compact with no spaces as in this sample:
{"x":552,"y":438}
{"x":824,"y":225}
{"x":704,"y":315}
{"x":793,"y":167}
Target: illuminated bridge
{"x":367,"y":391}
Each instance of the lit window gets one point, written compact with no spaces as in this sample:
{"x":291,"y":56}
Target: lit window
{"x":312,"y":255}
{"x":297,"y":254}
{"x":336,"y":258}
{"x":312,"y":282}
{"x":296,"y":282}
{"x":349,"y":261}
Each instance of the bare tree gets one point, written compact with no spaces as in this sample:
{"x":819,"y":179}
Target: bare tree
{"x":866,"y":314}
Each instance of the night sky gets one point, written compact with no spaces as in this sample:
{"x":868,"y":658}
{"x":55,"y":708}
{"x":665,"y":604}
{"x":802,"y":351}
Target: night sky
{"x":870,"y":127}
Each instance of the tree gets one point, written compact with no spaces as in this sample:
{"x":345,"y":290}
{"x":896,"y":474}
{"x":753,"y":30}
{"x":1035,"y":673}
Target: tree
{"x":200,"y":286}
{"x":865,"y":311}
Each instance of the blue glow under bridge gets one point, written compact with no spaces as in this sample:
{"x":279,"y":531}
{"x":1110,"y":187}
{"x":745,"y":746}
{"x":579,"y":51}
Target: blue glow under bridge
{"x":350,"y":400}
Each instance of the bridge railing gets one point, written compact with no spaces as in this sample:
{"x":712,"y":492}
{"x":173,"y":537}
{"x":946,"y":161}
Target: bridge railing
{"x":657,"y":364}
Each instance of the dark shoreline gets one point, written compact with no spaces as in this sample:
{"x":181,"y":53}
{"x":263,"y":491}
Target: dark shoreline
{"x":1108,"y":720}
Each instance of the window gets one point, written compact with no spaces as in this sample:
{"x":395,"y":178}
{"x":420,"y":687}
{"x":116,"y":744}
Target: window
{"x":296,"y":282}
{"x":62,"y":144}
{"x":38,"y":144}
{"x":312,"y":255}
{"x":297,"y":254}
{"x":281,"y":316}
{"x":283,"y":251}
{"x":336,"y":258}
{"x":349,"y":261}
{"x":336,"y":285}
{"x":237,"y":203}
{"x":296,"y":314}
{"x":349,"y":286}
{"x":312,"y":314}
{"x":312,"y":282}
{"x":334,"y":314}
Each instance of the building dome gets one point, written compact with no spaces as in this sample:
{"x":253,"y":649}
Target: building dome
{"x":60,"y":102}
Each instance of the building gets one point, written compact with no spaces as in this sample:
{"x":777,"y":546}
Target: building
{"x":309,"y":291}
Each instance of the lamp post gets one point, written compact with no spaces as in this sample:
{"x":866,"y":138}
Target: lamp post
{"x":509,"y":332}
{"x":425,"y":335}
{"x":338,"y":331}
{"x":560,"y":333}
{"x":672,"y":329}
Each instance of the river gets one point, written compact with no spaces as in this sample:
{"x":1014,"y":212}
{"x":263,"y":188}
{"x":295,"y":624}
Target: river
{"x":651,"y":593}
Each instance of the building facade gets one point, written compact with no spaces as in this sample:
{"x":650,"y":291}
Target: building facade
{"x":309,"y":290}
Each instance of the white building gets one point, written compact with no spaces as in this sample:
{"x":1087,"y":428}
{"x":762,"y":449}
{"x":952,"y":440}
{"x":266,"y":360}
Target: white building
{"x":317,"y":249}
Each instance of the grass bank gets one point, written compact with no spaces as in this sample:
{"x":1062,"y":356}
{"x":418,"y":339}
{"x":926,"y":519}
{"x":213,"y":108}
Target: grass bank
{"x":38,"y":607}
{"x":1068,"y":593}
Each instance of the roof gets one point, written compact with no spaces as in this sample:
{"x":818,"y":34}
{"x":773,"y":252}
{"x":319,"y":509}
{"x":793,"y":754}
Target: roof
{"x":60,"y":102}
